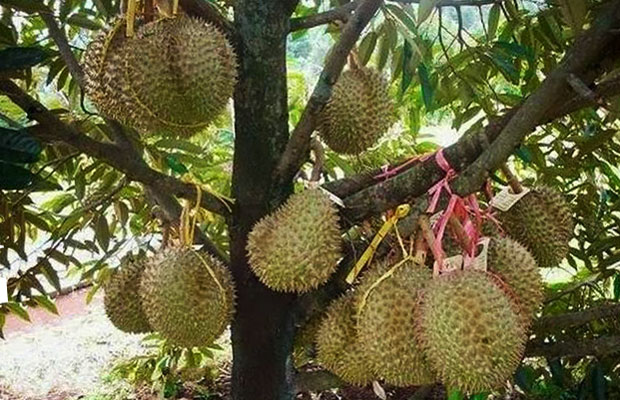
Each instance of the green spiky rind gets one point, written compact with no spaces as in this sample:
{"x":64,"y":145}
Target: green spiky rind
{"x":543,"y":223}
{"x":470,"y":332}
{"x":518,"y":269}
{"x":182,"y":300}
{"x":121,"y":300}
{"x":338,"y":347}
{"x":181,"y":72}
{"x":386,"y":323}
{"x":104,"y":73}
{"x":358,"y":113}
{"x":304,"y":341}
{"x":296,"y":248}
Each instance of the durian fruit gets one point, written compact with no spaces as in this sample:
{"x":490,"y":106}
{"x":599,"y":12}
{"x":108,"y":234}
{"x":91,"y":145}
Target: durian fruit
{"x":121,"y":299}
{"x":304,"y":341}
{"x":386,"y":324}
{"x":296,"y":248}
{"x":358,"y":113}
{"x":516,"y":267}
{"x":543,"y":223}
{"x":469,"y":330}
{"x":188,"y":296}
{"x":104,"y":73}
{"x":338,"y":347}
{"x":181,"y":72}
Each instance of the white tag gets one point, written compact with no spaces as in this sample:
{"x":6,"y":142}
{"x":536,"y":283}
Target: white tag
{"x":435,"y":218}
{"x":505,"y":199}
{"x":335,"y":199}
{"x":480,"y":261}
{"x":379,"y":391}
{"x":454,"y":263}
{"x":4,"y":297}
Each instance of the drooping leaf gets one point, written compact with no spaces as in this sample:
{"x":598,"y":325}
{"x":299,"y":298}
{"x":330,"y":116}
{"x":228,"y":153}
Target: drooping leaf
{"x":17,"y":58}
{"x":18,"y":146}
{"x":493,"y":21}
{"x":425,"y":9}
{"x":13,"y":177}
{"x":367,"y":46}
{"x":428,"y":92}
{"x":17,"y":309}
{"x":46,"y":303}
{"x":102,"y":232}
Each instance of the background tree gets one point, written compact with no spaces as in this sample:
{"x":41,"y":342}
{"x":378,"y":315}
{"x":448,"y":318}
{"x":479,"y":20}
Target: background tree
{"x":534,"y":79}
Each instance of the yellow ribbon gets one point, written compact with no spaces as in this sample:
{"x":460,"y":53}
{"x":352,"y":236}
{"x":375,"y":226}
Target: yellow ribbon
{"x":366,"y":257}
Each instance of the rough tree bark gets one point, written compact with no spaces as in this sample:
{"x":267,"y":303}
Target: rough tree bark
{"x":262,"y":331}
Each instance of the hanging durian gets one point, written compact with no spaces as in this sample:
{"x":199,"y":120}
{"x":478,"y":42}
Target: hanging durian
{"x":387,"y":321}
{"x":470,"y":332}
{"x":543,"y":223}
{"x":297,"y":248}
{"x":188,"y":296}
{"x":358,"y":113}
{"x":516,"y":267}
{"x":175,"y":75}
{"x":121,"y":299}
{"x":338,"y":347}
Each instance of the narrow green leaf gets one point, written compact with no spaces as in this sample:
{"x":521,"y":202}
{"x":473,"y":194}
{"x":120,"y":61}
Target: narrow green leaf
{"x":366,"y":47}
{"x":17,"y":58}
{"x":28,"y":6}
{"x":18,"y":146}
{"x":428,"y":92}
{"x":102,"y":233}
{"x":425,"y":9}
{"x":599,"y":382}
{"x":178,"y":144}
{"x":174,"y":164}
{"x":493,"y":22}
{"x":617,"y":286}
{"x":50,"y":274}
{"x":46,"y":303}
{"x":83,"y":21}
{"x":406,"y":67}
{"x":18,"y":310}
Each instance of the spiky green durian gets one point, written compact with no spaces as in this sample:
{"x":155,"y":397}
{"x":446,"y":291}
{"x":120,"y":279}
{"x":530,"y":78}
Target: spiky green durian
{"x":386,"y":324}
{"x":104,"y":73}
{"x":121,"y":299}
{"x":338,"y":347}
{"x":296,"y":248}
{"x":472,"y":337}
{"x":516,"y":267}
{"x":543,"y":223}
{"x":304,"y":348}
{"x":188,"y":296}
{"x":181,"y":73}
{"x":358,"y":113}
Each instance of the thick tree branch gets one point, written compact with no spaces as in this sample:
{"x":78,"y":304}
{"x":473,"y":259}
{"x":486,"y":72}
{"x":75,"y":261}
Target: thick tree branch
{"x":297,"y":148}
{"x":59,"y":37}
{"x":135,"y":168}
{"x":599,"y":347}
{"x":577,"y":318}
{"x":341,"y":13}
{"x":541,"y":107}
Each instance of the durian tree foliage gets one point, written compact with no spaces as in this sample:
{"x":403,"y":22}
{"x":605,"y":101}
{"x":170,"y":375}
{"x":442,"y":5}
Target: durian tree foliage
{"x":532,"y":82}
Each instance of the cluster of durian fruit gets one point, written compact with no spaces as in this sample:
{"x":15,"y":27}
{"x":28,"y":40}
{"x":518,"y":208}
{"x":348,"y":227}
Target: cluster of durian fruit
{"x":185,"y":295}
{"x":466,"y":328}
{"x":173,"y":76}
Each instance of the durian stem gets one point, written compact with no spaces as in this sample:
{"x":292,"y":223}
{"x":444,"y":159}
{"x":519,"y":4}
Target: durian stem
{"x":175,"y":7}
{"x":354,"y":60}
{"x":132,"y":5}
{"x":429,"y":236}
{"x":514,"y":183}
{"x":319,"y":160}
{"x":462,"y":237}
{"x":149,"y":11}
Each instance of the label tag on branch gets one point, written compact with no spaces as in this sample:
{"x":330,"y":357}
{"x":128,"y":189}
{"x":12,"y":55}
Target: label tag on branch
{"x":4,"y":297}
{"x":379,"y":391}
{"x":480,"y":262}
{"x":454,"y":263}
{"x":505,"y":199}
{"x":335,"y":199}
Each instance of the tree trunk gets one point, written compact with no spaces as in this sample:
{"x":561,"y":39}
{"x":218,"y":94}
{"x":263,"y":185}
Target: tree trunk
{"x":262,"y":331}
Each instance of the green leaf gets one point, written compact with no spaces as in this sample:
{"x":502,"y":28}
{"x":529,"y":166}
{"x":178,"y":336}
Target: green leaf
{"x":179,"y":145}
{"x":13,"y":177}
{"x":176,"y":166}
{"x":617,"y":287}
{"x":18,"y":146}
{"x":524,"y":154}
{"x":493,"y":21}
{"x":28,"y":6}
{"x":82,"y":21}
{"x":18,"y":310}
{"x":366,"y":47}
{"x":406,"y":67}
{"x":102,"y":233}
{"x":599,"y":382}
{"x":50,"y":274}
{"x":455,"y":394}
{"x":425,"y":9}
{"x":428,"y":92}
{"x":574,"y":13}
{"x":17,"y":58}
{"x":46,"y":303}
